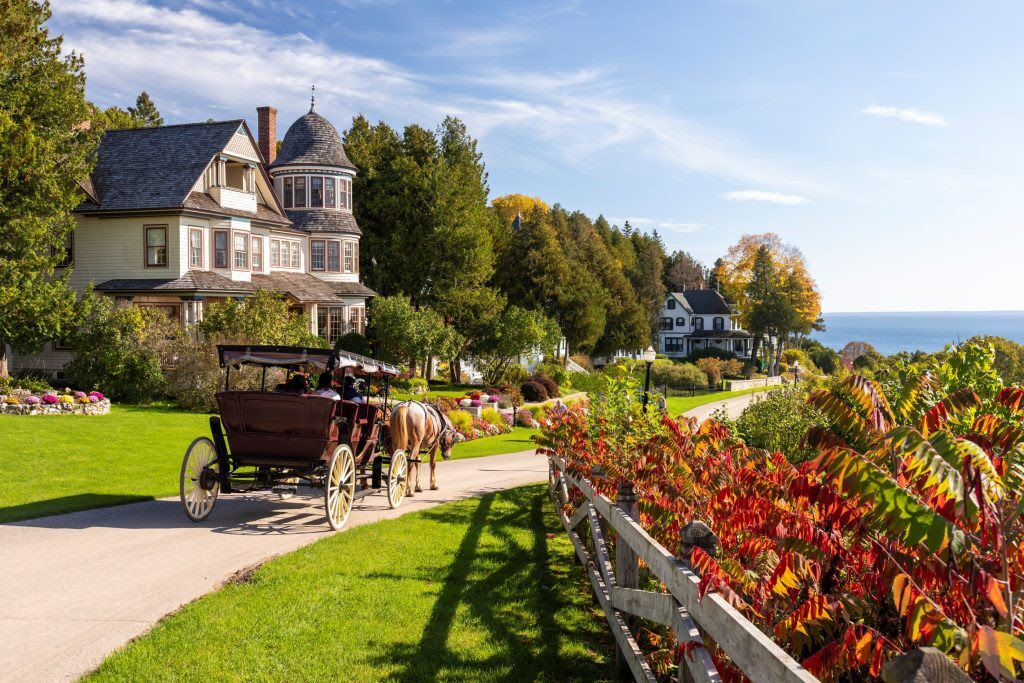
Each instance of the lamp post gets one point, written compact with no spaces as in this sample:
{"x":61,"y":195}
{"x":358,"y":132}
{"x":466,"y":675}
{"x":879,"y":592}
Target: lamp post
{"x":648,"y":357}
{"x":796,"y":371}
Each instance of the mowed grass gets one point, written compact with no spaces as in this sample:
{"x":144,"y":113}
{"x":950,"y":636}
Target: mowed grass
{"x":677,"y":405}
{"x":479,"y":590}
{"x":50,"y":464}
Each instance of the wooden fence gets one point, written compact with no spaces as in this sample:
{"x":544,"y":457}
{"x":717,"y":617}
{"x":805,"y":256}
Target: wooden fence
{"x":754,"y":653}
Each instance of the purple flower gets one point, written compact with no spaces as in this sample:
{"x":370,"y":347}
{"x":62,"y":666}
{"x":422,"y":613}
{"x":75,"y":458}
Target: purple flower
{"x":93,"y":399}
{"x":32,"y":400}
{"x":475,"y":403}
{"x":79,"y":394}
{"x":492,"y":399}
{"x":50,"y":399}
{"x":98,"y":395}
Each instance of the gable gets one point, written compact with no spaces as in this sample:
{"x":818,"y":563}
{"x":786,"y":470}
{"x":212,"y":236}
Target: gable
{"x":241,"y":146}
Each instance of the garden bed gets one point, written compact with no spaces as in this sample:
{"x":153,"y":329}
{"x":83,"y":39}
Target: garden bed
{"x":55,"y":403}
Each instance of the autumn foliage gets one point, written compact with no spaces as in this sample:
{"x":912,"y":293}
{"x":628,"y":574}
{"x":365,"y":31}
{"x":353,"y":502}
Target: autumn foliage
{"x":904,"y":531}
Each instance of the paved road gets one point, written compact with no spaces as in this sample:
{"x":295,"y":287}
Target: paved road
{"x":75,"y":587}
{"x":733,"y":406}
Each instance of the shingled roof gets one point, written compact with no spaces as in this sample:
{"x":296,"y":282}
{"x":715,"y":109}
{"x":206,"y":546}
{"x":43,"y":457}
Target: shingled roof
{"x":155,"y":168}
{"x":300,"y":286}
{"x":312,"y":140}
{"x":705,"y":302}
{"x":324,"y":220}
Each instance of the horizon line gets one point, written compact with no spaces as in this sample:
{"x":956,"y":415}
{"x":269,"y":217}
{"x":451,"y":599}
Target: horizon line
{"x":1001,"y":310}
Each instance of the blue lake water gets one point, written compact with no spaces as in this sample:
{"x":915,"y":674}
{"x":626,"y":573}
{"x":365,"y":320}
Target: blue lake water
{"x":893,"y":332}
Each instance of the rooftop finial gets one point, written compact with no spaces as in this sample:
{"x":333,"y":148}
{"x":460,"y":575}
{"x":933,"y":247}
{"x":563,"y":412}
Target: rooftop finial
{"x":312,"y":100}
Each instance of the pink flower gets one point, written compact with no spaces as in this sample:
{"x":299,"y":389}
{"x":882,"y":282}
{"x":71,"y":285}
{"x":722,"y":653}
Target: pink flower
{"x":93,"y":399}
{"x":32,"y":400}
{"x":98,"y":395}
{"x":475,"y":403}
{"x":79,"y":394}
{"x":492,"y":399}
{"x":50,"y":399}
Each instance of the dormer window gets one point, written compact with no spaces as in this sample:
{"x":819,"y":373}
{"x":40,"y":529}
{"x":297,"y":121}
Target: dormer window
{"x":671,"y":304}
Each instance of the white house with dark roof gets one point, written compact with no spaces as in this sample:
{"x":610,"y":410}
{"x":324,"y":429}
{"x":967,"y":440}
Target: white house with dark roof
{"x":698,"y":319}
{"x":177,"y":217}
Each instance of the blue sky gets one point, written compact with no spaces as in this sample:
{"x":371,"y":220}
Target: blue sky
{"x":883,"y":139}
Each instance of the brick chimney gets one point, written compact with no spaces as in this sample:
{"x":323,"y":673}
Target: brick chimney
{"x":266,"y":125}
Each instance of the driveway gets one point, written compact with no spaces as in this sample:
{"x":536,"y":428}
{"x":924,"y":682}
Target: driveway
{"x":75,"y":587}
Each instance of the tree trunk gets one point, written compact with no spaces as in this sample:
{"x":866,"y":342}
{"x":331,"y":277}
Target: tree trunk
{"x":455,"y":370}
{"x":429,"y":369}
{"x":412,"y":367}
{"x":778,"y":353}
{"x":754,"y":350}
{"x":3,"y":361}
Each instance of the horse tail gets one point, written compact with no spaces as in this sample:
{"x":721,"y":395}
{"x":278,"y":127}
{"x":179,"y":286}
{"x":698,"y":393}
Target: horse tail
{"x":399,"y":436}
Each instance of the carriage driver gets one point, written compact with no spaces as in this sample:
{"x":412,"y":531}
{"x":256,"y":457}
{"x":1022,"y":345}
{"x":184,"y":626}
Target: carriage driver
{"x":350,"y":393}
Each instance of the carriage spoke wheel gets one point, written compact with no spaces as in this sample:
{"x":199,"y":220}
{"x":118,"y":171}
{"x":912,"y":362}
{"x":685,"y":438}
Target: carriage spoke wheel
{"x":200,"y":479}
{"x":398,"y":472}
{"x":340,"y":487}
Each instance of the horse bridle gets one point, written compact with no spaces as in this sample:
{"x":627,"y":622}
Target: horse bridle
{"x":446,"y":425}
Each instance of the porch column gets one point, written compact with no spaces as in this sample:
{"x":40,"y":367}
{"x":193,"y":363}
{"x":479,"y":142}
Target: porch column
{"x":314,"y":311}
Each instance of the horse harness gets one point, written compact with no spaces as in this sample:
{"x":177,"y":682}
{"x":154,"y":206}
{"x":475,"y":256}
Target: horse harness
{"x":434,"y":414}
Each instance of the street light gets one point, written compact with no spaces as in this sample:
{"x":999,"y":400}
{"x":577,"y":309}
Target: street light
{"x":796,"y":371}
{"x":648,"y":357}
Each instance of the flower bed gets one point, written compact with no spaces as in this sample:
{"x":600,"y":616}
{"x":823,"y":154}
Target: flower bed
{"x":66,"y":402}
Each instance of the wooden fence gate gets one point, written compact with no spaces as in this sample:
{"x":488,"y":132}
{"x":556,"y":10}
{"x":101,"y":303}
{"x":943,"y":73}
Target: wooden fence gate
{"x":754,"y":653}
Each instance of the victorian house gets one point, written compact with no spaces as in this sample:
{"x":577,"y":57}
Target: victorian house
{"x":698,"y":319}
{"x":178,"y":217}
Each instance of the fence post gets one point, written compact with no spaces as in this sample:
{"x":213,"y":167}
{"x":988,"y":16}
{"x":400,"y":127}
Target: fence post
{"x":627,"y":571}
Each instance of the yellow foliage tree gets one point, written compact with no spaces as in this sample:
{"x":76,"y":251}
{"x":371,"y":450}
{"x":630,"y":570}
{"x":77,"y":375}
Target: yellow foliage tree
{"x":512,"y":204}
{"x":797,"y":305}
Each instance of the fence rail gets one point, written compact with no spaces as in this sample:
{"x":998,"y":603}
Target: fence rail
{"x":689,"y":616}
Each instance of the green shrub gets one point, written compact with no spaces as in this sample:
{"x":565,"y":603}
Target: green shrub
{"x":263,"y":318}
{"x":30,"y":382}
{"x":515,"y":374}
{"x":461,"y":420}
{"x":677,"y":375}
{"x":778,"y":420}
{"x":537,"y":411}
{"x":510,"y":396}
{"x":411,"y":385}
{"x":354,"y":342}
{"x":493,"y":416}
{"x":590,"y":382}
{"x":117,"y":350}
{"x":555,"y":371}
{"x":712,"y":368}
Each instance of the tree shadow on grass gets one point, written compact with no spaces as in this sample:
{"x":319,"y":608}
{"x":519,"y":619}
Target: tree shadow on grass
{"x":509,"y":590}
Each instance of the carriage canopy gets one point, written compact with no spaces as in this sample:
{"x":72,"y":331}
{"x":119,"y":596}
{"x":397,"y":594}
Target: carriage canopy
{"x":293,"y":357}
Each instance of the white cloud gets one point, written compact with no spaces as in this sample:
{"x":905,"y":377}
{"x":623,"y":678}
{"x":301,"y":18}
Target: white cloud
{"x":762,"y":196}
{"x":925,"y":118}
{"x":656,"y":224}
{"x":196,"y":65}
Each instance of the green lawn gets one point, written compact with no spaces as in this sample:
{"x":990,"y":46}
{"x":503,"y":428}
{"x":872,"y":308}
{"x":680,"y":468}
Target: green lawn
{"x":438,"y":390}
{"x":680,"y":404}
{"x":479,"y":590}
{"x":60,"y":463}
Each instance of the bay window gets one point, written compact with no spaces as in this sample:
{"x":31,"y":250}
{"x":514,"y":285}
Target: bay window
{"x":348,"y":257}
{"x":287,"y":193}
{"x":195,"y":247}
{"x":300,"y":192}
{"x":316,"y":255}
{"x":333,"y":257}
{"x":220,"y":248}
{"x":275,"y":253}
{"x":356,"y":319}
{"x":241,"y":242}
{"x":156,"y":246}
{"x":295,"y":254}
{"x":257,"y":254}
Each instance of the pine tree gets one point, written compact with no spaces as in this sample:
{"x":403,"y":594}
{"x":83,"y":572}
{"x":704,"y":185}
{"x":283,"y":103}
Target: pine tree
{"x":44,"y":152}
{"x":145,"y":112}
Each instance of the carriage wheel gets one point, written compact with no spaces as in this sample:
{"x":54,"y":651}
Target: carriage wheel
{"x":200,"y":479}
{"x":397,"y":474}
{"x":340,"y":487}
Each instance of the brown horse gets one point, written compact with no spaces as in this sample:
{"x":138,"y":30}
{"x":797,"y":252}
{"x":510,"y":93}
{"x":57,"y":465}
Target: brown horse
{"x":418,"y":426}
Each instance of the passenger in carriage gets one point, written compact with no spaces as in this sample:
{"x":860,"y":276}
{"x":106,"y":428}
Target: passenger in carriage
{"x":324,"y":388}
{"x":296,"y":384}
{"x":351,"y":393}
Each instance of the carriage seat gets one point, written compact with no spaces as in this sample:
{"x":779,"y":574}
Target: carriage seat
{"x":263,"y":425}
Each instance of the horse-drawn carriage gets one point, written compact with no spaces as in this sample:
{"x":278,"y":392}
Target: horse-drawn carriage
{"x":274,"y":440}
